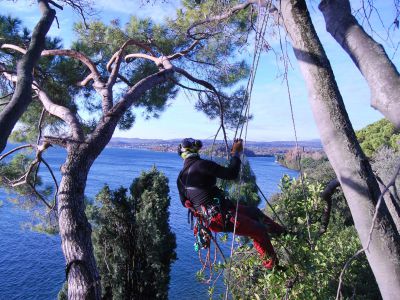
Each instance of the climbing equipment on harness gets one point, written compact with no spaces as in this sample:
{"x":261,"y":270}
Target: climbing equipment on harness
{"x":203,"y":236}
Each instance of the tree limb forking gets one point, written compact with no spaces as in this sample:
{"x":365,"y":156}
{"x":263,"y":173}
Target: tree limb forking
{"x":21,"y":98}
{"x":61,"y":112}
{"x":79,"y":56}
{"x":368,"y":56}
{"x":24,"y":179}
{"x":117,"y":57}
{"x":54,"y":109}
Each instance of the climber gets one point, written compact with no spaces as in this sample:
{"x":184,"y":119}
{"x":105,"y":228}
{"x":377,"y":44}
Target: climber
{"x":198,"y":191}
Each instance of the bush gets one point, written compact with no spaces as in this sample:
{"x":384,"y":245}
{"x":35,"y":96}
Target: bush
{"x":308,"y":270}
{"x":133,"y":243}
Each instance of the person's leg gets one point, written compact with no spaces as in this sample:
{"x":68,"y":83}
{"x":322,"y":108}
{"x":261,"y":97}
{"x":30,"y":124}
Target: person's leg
{"x":257,"y":215}
{"x":246,"y":226}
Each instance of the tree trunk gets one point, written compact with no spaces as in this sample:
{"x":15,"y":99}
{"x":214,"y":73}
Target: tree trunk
{"x":22,"y":96}
{"x":75,"y":230}
{"x":340,"y":144}
{"x":368,"y":55}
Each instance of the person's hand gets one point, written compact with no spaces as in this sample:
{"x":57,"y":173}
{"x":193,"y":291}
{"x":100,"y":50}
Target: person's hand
{"x":237,"y":147}
{"x":188,"y":204}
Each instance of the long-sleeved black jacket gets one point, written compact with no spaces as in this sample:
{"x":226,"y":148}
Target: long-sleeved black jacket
{"x":196,"y":182}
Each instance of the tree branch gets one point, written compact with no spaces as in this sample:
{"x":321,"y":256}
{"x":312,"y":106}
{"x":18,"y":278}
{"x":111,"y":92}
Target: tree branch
{"x":22,"y":95}
{"x":381,"y":197}
{"x":327,"y":196}
{"x":79,"y":56}
{"x":54,"y":109}
{"x":141,"y":55}
{"x":184,"y":52}
{"x":214,"y":90}
{"x":139,"y":89}
{"x":235,"y":9}
{"x":61,"y":112}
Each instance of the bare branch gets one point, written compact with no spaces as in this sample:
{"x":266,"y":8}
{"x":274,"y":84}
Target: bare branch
{"x":3,"y":97}
{"x":22,"y":96}
{"x":55,"y":4}
{"x":235,"y":9}
{"x":141,"y":55}
{"x":40,"y":126}
{"x":327,"y":196}
{"x":85,"y":81}
{"x":61,"y":112}
{"x":54,"y":179}
{"x":16,"y":149}
{"x":14,"y":47}
{"x":200,"y":62}
{"x":116,"y":59}
{"x":138,"y":89}
{"x":54,"y":109}
{"x":214,"y":90}
{"x":189,"y":88}
{"x":129,"y":42}
{"x":79,"y":56}
{"x":184,"y":52}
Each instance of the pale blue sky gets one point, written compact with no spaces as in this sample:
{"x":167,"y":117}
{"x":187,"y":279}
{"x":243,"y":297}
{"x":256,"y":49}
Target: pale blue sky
{"x":269,"y":104}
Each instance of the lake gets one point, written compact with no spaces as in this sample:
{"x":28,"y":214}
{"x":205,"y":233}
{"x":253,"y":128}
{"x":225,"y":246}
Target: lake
{"x":32,"y":264}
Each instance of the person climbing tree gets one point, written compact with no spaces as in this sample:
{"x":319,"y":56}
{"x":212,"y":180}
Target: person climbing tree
{"x":198,"y":191}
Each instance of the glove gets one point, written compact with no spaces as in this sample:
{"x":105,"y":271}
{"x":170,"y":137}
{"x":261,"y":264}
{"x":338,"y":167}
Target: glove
{"x":237,"y":147}
{"x":188,"y":204}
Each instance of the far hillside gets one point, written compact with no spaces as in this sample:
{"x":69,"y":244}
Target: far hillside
{"x":252,"y":148}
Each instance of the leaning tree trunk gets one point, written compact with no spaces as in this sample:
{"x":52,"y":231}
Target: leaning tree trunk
{"x":22,"y":96}
{"x":368,"y":55}
{"x":75,"y":230}
{"x":338,"y":138}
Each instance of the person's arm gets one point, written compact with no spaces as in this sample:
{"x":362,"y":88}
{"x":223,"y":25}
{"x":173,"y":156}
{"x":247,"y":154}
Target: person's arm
{"x":213,"y":169}
{"x":181,"y":192}
{"x":232,"y":171}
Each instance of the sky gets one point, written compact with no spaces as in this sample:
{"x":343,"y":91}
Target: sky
{"x":270,"y":107}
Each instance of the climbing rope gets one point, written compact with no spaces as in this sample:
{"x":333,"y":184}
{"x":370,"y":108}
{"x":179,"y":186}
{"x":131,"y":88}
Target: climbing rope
{"x":260,"y":30}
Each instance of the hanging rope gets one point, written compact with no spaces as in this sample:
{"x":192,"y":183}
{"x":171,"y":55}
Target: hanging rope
{"x":260,"y":30}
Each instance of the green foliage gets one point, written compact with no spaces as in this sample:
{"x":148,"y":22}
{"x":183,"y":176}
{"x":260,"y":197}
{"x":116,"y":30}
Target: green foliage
{"x":307,"y":271}
{"x":378,"y":134}
{"x":133,"y":243}
{"x":43,"y":220}
{"x":63,"y":293}
{"x":243,"y":189}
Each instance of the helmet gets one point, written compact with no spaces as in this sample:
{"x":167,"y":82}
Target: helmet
{"x":190,"y":145}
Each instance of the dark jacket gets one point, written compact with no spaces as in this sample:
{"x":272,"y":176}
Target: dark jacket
{"x":196,"y":182}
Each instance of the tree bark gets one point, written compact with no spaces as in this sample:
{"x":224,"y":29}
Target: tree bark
{"x":22,"y":96}
{"x":368,"y":55}
{"x":75,"y":230}
{"x":340,"y":144}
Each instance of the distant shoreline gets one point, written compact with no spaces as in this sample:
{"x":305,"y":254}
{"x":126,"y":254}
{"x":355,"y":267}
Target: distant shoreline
{"x":252,"y":149}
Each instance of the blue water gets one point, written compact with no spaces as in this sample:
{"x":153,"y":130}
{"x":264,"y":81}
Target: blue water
{"x":32,"y":264}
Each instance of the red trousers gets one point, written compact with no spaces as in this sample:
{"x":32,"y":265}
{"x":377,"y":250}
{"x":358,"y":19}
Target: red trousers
{"x":253,"y":223}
